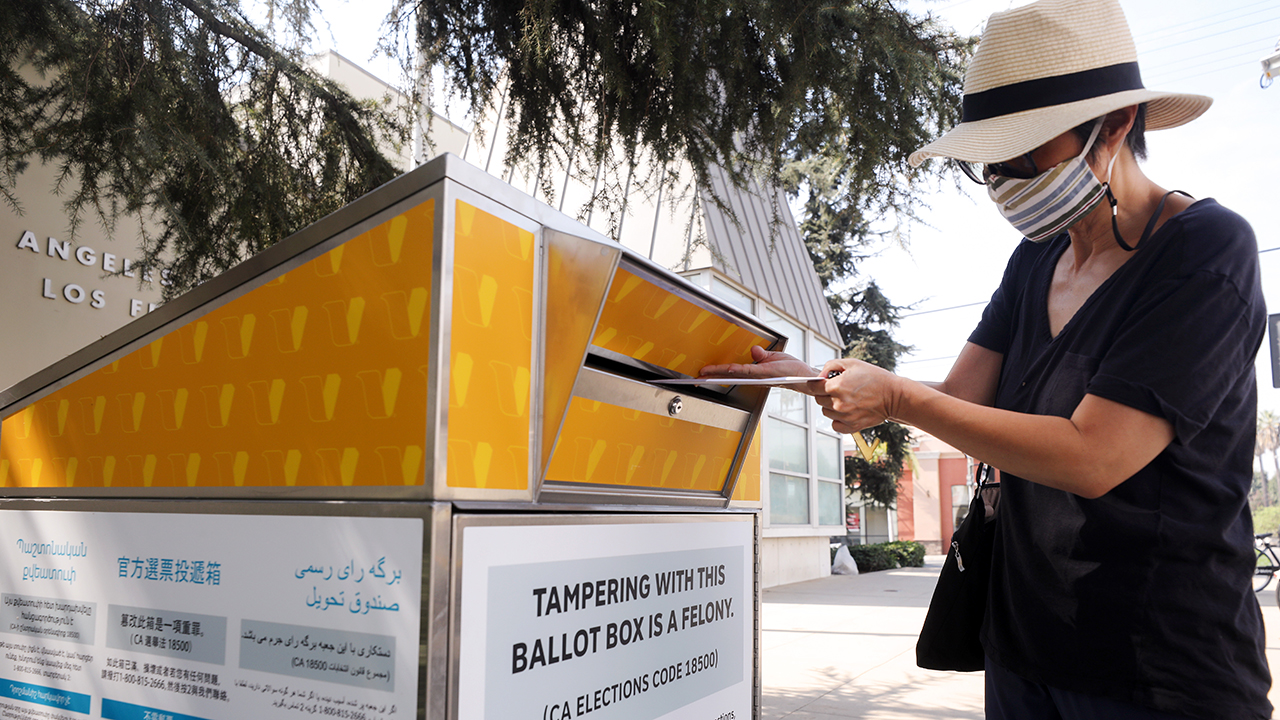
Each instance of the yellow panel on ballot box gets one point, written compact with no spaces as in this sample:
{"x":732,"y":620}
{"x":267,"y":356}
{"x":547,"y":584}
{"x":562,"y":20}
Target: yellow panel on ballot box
{"x":491,"y":354}
{"x":317,"y":378}
{"x":605,"y":444}
{"x":644,"y":321}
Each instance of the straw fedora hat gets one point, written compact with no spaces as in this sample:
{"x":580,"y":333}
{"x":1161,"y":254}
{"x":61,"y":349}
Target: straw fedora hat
{"x":1045,"y":68}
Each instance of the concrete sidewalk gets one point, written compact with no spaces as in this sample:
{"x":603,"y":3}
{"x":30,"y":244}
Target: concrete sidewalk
{"x":844,"y":647}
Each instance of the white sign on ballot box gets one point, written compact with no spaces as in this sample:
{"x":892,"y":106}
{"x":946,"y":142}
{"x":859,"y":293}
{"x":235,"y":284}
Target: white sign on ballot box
{"x":566,"y":618}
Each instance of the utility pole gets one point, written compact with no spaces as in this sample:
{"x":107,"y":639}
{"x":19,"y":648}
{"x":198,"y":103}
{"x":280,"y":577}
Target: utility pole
{"x":1270,"y":67}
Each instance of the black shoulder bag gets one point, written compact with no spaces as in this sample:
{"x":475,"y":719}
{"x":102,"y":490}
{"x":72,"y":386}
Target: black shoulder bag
{"x":949,"y":638}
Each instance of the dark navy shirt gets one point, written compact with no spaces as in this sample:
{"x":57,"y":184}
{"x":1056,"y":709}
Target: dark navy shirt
{"x":1143,"y":595}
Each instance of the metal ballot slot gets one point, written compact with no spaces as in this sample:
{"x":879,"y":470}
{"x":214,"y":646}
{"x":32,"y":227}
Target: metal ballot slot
{"x":625,"y":436}
{"x":393,"y":435}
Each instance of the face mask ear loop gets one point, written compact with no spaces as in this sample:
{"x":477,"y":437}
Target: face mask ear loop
{"x":1111,"y":198}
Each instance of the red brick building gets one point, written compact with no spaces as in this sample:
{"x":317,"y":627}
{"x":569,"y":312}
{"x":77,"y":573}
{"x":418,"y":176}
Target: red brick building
{"x":933,"y":494}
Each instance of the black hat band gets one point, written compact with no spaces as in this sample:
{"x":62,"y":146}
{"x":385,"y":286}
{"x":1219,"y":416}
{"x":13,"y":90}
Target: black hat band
{"x":1049,"y":91}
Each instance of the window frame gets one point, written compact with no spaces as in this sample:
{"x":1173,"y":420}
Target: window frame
{"x":815,"y":429}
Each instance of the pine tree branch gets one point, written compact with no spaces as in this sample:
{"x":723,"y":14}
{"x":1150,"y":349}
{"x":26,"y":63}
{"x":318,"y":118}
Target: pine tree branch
{"x":232,"y":33}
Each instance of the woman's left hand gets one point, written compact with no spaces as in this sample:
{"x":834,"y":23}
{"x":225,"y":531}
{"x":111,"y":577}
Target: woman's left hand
{"x":859,"y":397}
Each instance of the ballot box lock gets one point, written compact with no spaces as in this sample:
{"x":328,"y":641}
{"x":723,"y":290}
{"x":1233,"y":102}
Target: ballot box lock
{"x":675,"y":406}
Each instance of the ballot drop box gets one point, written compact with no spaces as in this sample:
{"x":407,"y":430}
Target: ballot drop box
{"x":411,"y":462}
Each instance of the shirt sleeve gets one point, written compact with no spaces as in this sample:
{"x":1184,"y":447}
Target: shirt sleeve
{"x":1188,"y":339}
{"x":995,"y":329}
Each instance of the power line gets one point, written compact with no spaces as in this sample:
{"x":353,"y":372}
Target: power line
{"x":908,"y":362}
{"x":1198,"y":38}
{"x":1201,"y":58}
{"x":1200,"y":23}
{"x":938,"y":310}
{"x":1232,"y":64}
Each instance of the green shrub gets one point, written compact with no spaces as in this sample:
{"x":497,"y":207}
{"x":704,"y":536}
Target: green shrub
{"x":886,"y":556}
{"x":1266,"y":519}
{"x":872,"y":558}
{"x":909,"y":553}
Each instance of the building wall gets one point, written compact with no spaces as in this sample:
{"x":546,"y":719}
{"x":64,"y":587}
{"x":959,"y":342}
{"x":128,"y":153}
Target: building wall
{"x":443,"y":135}
{"x":954,"y":477}
{"x":906,"y":506}
{"x":793,"y":559}
{"x":938,"y":468}
{"x":58,"y":294}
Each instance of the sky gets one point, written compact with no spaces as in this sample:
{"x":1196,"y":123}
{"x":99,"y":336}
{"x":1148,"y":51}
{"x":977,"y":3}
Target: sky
{"x":951,"y":261}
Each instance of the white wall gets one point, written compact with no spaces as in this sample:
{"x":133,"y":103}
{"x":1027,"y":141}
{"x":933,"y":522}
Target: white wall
{"x":793,"y":559}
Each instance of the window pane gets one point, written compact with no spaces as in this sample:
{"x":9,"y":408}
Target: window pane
{"x":960,"y":497}
{"x":877,"y":520}
{"x":830,"y":503}
{"x":795,"y":336}
{"x":788,"y":446}
{"x":730,"y":294}
{"x":789,"y":404}
{"x":788,"y":500}
{"x":820,"y":352}
{"x":829,"y":461}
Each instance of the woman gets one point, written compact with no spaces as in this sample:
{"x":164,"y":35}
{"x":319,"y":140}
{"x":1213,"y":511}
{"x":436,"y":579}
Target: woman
{"x":1111,"y":381}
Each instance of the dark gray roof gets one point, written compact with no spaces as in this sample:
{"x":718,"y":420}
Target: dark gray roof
{"x":763,"y":251}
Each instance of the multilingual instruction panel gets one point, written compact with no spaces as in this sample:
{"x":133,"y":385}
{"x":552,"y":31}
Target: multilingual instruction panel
{"x":150,"y":616}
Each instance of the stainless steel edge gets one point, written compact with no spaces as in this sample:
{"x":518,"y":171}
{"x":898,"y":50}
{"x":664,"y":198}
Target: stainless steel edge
{"x":537,"y":393}
{"x":438,"y":367}
{"x":635,"y":395}
{"x":617,"y":495}
{"x":437,"y":401}
{"x":435,"y":604}
{"x":757,"y":681}
{"x":226,"y":506}
{"x":457,"y":526}
{"x":545,"y":464}
{"x":489,"y":506}
{"x":537,"y":363}
{"x":369,"y":493}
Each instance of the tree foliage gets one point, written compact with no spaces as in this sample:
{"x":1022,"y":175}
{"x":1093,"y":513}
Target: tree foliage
{"x":183,"y":110}
{"x":183,"y":113}
{"x":752,"y":86}
{"x":877,"y":479}
{"x":1266,"y":440}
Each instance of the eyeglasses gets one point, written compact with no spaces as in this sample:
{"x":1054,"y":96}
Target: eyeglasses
{"x":1022,"y":167}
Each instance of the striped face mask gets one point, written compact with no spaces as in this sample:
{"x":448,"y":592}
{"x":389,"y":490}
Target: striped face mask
{"x":1049,"y":203}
